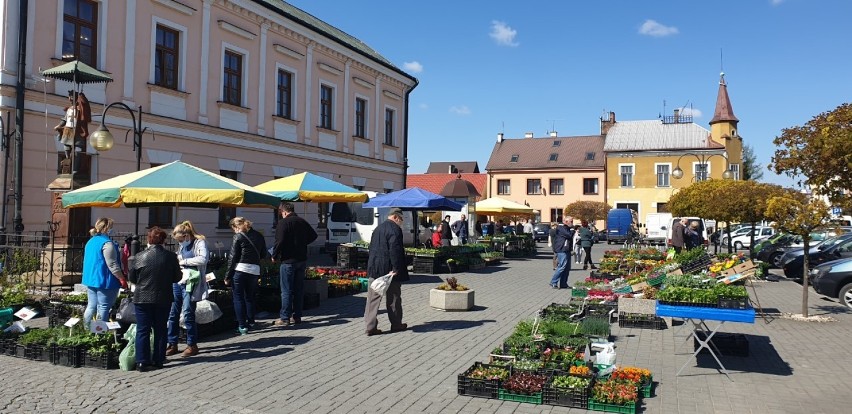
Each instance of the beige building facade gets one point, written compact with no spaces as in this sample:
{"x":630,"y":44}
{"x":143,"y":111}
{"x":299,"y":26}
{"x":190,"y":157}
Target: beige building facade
{"x":253,"y":90}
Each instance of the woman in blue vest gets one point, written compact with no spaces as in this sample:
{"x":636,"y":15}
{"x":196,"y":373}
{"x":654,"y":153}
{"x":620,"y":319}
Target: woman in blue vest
{"x":102,"y":273}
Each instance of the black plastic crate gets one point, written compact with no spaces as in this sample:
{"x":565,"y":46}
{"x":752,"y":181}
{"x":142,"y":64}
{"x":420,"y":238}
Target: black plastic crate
{"x":20,"y":351}
{"x":640,"y":321}
{"x":59,"y":313}
{"x":725,"y":303}
{"x":106,"y":360}
{"x":728,"y":344}
{"x":67,"y":356}
{"x":479,"y":387}
{"x":568,"y":397}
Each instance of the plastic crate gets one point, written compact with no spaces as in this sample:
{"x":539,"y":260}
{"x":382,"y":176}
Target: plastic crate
{"x":20,"y":351}
{"x":647,"y":390}
{"x":479,"y":387}
{"x":629,"y":408}
{"x":67,"y":356}
{"x":725,"y":303}
{"x":106,"y":360}
{"x":568,"y":397}
{"x":508,"y":396}
{"x":640,"y":321}
{"x":365,"y":283}
{"x":579,"y":292}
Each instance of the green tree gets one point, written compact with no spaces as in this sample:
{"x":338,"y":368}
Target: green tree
{"x":590,"y":211}
{"x":794,"y":216}
{"x":819,"y":153}
{"x":752,"y":170}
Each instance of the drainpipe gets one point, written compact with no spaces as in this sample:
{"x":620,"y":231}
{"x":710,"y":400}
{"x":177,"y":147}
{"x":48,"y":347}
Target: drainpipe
{"x":18,"y":221}
{"x":405,"y":147}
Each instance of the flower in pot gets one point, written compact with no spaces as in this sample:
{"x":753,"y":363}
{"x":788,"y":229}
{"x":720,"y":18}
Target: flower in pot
{"x":452,"y":285}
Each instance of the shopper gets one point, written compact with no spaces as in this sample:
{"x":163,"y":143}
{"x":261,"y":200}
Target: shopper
{"x":578,"y":248}
{"x":693,"y":238}
{"x":586,"y":240}
{"x":155,"y":270}
{"x":192,"y":287}
{"x":102,"y":274}
{"x":387,"y":256}
{"x":678,"y":232}
{"x":460,"y":229}
{"x":248,"y":248}
{"x":562,"y":246}
{"x":292,"y":237}
{"x":446,"y":231}
{"x":436,"y":235}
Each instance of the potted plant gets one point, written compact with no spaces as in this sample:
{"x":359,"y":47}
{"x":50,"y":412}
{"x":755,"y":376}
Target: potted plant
{"x":451,"y":296}
{"x":523,"y":387}
{"x":615,"y":396}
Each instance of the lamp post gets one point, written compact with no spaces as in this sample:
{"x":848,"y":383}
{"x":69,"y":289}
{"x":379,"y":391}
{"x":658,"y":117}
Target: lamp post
{"x":4,"y":144}
{"x":702,"y":160}
{"x":102,"y":140}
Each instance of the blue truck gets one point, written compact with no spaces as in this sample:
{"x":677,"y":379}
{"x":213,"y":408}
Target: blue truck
{"x":622,"y":225}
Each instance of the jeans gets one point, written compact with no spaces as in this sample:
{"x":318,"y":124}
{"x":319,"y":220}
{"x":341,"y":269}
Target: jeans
{"x":292,"y":289}
{"x":563,"y":266}
{"x":245,"y":288}
{"x":100,"y":301}
{"x":151,"y":316}
{"x":183,"y":304}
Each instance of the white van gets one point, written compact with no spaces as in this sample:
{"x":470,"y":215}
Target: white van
{"x":656,"y":227}
{"x":701,"y":226}
{"x":350,"y":222}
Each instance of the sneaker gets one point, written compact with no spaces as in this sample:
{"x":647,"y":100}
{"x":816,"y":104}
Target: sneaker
{"x":554,"y":286}
{"x":374,"y":332}
{"x":242,"y":331}
{"x":191,"y":350}
{"x":281,"y":322}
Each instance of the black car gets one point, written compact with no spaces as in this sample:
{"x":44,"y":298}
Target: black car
{"x":541,"y":231}
{"x":831,"y":249}
{"x":834,"y":279}
{"x":773,"y":251}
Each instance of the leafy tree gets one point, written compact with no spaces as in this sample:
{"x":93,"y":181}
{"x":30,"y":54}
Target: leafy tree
{"x":798,"y":217}
{"x":590,"y":211}
{"x":819,"y":153}
{"x":752,"y":170}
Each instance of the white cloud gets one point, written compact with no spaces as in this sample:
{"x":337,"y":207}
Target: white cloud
{"x":775,"y":2}
{"x":652,"y":28}
{"x":503,"y":34}
{"x":414,"y":67}
{"x":695,"y":113}
{"x":462,"y":110}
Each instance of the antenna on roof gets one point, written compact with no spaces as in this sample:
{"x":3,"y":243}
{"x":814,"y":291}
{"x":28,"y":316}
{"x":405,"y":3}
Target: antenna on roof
{"x":721,"y":61}
{"x":660,"y":116}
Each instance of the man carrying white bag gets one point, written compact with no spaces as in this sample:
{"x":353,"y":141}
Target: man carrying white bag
{"x":386,"y":268}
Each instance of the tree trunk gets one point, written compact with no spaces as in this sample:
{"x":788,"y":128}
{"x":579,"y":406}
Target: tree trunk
{"x":805,"y":279}
{"x":751,"y":242}
{"x":728,"y":232}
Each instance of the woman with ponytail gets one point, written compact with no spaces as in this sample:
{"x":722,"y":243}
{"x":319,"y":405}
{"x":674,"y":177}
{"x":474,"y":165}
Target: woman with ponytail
{"x":102,"y":273}
{"x":192,"y":256}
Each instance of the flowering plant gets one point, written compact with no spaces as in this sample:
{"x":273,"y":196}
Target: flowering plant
{"x":525,"y":383}
{"x":634,"y":375}
{"x":614,"y":391}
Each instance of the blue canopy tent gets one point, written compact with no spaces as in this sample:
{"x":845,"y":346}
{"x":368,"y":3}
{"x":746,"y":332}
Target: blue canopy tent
{"x":414,"y":199}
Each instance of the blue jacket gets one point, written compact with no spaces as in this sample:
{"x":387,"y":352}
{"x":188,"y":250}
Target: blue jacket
{"x":96,"y":274}
{"x":564,"y":240}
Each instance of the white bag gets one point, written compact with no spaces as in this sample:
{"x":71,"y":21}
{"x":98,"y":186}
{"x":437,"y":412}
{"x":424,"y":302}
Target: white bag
{"x":606,"y":356}
{"x":380,"y":284}
{"x":205,"y":312}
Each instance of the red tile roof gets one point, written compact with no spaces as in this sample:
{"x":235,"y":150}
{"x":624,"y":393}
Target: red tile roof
{"x":435,"y":182}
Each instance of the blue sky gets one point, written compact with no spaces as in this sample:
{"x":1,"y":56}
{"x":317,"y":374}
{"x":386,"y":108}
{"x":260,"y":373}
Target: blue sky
{"x":536,"y":66}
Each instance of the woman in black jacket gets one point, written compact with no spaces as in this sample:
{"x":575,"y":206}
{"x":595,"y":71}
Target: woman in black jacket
{"x":153,"y":270}
{"x":247,"y":249}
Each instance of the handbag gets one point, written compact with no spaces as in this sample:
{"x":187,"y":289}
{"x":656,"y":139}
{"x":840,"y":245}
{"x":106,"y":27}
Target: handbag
{"x":126,"y":311}
{"x":380,"y":284}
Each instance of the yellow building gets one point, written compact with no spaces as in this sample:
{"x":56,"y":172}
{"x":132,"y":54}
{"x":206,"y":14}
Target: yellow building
{"x":647,"y":161}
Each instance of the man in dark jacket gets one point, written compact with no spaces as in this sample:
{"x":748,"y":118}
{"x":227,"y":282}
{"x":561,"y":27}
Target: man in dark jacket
{"x":446,"y":231}
{"x":678,"y":232}
{"x":460,"y":229}
{"x":292,"y":237}
{"x":387,"y":256}
{"x":563,"y":244}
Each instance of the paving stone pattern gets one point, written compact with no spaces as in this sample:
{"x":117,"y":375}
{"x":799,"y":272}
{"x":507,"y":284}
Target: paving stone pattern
{"x":328,"y":364}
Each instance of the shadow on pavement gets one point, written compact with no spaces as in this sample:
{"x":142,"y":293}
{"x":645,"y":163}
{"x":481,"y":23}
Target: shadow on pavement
{"x":417,"y":279}
{"x":451,"y":325}
{"x":833,"y":308}
{"x":762,"y":358}
{"x":250,"y":349}
{"x":489,"y":270}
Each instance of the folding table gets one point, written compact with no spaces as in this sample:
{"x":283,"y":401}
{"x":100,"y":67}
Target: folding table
{"x":698,"y":317}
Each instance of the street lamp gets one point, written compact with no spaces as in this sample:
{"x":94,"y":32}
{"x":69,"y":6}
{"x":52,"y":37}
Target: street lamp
{"x":102,"y":140}
{"x":702,"y":160}
{"x":4,"y":145}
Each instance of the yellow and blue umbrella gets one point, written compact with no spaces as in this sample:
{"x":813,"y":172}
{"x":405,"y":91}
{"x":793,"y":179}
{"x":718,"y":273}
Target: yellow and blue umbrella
{"x":312,"y":188}
{"x":172,"y":184}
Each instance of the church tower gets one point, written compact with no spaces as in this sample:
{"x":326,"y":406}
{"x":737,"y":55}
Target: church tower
{"x":723,"y":128}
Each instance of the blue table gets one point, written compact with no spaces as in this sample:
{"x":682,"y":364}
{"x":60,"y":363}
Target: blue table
{"x":699,"y":316}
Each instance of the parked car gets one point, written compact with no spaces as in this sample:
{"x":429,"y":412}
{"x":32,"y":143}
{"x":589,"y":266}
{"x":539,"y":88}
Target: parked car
{"x":772,"y":249}
{"x":722,"y":231}
{"x":541,"y":231}
{"x":834,"y":279}
{"x":831,"y":249}
{"x":743,"y":239}
{"x":601,"y":236}
{"x":737,"y":233}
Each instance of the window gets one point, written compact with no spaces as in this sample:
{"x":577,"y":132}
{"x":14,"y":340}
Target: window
{"x":590,"y":156}
{"x":389,"y":115}
{"x":701,"y":171}
{"x":557,"y":186}
{"x":590,"y":186}
{"x":226,"y":213}
{"x":553,"y":157}
{"x":233,"y":79}
{"x":360,"y":118}
{"x":533,"y":186}
{"x":284,"y":99}
{"x":166,"y":57}
{"x":514,"y":158}
{"x":556,"y":215}
{"x":626,"y":172}
{"x":663,"y":208}
{"x":504,"y":187}
{"x":80,"y":31}
{"x":557,"y":143}
{"x":161,"y":216}
{"x":326,"y":96}
{"x":663,"y":178}
{"x":735,"y":169}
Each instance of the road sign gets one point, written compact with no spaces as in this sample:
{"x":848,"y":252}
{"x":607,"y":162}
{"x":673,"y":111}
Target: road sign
{"x":836,"y":211}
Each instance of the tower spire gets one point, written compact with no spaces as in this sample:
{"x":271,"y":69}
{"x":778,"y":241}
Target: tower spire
{"x":724,"y":112}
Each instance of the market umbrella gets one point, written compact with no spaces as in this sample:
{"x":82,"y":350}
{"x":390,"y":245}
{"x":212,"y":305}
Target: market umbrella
{"x":312,"y":188}
{"x":76,"y":72}
{"x":497,"y":206}
{"x":413,"y":199}
{"x":172,"y":184}
{"x":460,"y":188}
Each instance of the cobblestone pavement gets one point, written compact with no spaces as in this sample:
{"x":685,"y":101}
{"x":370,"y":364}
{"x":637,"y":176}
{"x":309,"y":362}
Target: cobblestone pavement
{"x":327,"y":364}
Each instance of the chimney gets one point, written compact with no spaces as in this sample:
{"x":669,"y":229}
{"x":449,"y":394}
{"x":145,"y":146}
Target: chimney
{"x":676,"y":115}
{"x":451,"y":168}
{"x":499,"y":137}
{"x":528,"y":135}
{"x":554,"y":134}
{"x":607,"y":124}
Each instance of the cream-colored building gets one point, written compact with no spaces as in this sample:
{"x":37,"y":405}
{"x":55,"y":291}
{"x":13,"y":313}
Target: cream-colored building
{"x":645,"y":158}
{"x":547,"y":173}
{"x":253,"y":90}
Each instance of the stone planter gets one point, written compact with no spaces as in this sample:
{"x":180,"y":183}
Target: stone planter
{"x":637,"y":305}
{"x":447,"y":300}
{"x":318,"y":286}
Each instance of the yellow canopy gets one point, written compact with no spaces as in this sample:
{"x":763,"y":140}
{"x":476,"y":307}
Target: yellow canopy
{"x":497,"y":205}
